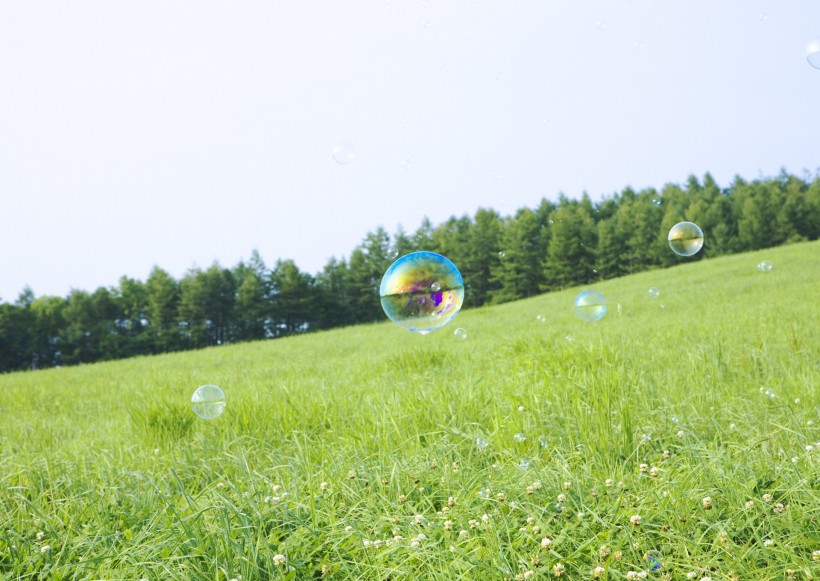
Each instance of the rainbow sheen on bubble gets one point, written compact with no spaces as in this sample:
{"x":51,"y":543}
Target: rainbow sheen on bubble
{"x":422,"y":291}
{"x":208,"y":402}
{"x":653,"y":561}
{"x":685,"y":239}
{"x":590,"y":305}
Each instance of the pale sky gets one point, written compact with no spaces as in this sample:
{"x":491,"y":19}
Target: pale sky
{"x":176,"y":133}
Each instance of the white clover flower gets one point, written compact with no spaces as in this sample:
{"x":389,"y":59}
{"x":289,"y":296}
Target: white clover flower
{"x":418,"y":520}
{"x":809,"y":448}
{"x":351,"y":474}
{"x":767,"y":497}
{"x":603,"y":551}
{"x":732,"y":426}
{"x":598,"y":572}
{"x":750,"y":504}
{"x":546,"y":543}
{"x":642,"y":574}
{"x":522,"y":530}
{"x":377,"y":543}
{"x":421,"y":537}
{"x":415,"y":544}
{"x":348,"y":529}
{"x":620,"y":484}
{"x":666,"y":454}
{"x":779,"y":508}
{"x":691,"y":575}
{"x":643,"y":468}
{"x":448,"y":525}
{"x":567,"y":485}
{"x":631,"y":575}
{"x":402,"y":498}
{"x":473,"y":524}
{"x":485,"y":519}
{"x":707,"y":502}
{"x":654,"y":472}
{"x":521,"y":408}
{"x":323,"y":486}
{"x":558,"y":569}
{"x":463,"y":533}
{"x":40,"y":535}
{"x":530,"y":490}
{"x":608,"y":483}
{"x":366,"y":543}
{"x":561,"y":498}
{"x":768,"y":543}
{"x":536,"y":530}
{"x":45,"y":548}
{"x":680,"y":433}
{"x":529,"y":574}
{"x":815,"y":556}
{"x":500,"y":497}
{"x":451,"y":502}
{"x":635,"y":520}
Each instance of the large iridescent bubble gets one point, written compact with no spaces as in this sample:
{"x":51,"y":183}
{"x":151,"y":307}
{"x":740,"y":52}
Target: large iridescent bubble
{"x":590,"y":305}
{"x":422,"y":291}
{"x":685,"y":239}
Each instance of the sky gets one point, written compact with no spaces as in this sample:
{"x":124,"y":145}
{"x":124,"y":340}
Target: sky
{"x":179,"y":133}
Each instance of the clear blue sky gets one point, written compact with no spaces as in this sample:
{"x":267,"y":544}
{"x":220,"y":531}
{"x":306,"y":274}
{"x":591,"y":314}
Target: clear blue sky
{"x":177,"y":133}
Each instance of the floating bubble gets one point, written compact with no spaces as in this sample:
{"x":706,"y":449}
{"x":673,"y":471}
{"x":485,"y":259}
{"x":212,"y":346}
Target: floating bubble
{"x":392,"y":252}
{"x":343,"y":153}
{"x":813,"y":53}
{"x":408,"y":299}
{"x":541,"y":318}
{"x":524,"y":463}
{"x":656,"y":201}
{"x":543,"y":441}
{"x":408,"y":162}
{"x":501,"y":254}
{"x":208,"y":402}
{"x":675,"y":419}
{"x":769,"y":393}
{"x":568,"y":338}
{"x":590,"y":305}
{"x":435,"y":287}
{"x":519,"y":437}
{"x":764,"y":266}
{"x":484,"y":493}
{"x":653,"y":561}
{"x":481,"y":443}
{"x":685,"y":239}
{"x":654,"y":293}
{"x":460,"y":334}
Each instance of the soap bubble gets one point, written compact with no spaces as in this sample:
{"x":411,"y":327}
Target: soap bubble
{"x":653,"y":560}
{"x":408,"y":299}
{"x":208,"y":402}
{"x":501,"y":254}
{"x":590,"y":305}
{"x":392,"y":252}
{"x":685,"y":239}
{"x":519,"y":437}
{"x":481,"y":443}
{"x":524,"y":463}
{"x":764,"y":266}
{"x":343,"y":153}
{"x":656,"y":201}
{"x":541,"y":318}
{"x":654,"y":293}
{"x":460,"y":334}
{"x":813,"y":53}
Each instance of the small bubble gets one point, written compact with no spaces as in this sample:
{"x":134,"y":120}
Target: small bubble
{"x":524,"y":463}
{"x":541,"y":318}
{"x":663,"y":306}
{"x":408,"y":162}
{"x":501,"y":254}
{"x":762,"y":17}
{"x":594,"y":271}
{"x":519,"y":437}
{"x":770,"y":394}
{"x":638,"y":45}
{"x":551,"y":221}
{"x":654,"y":293}
{"x":764,"y":266}
{"x":543,"y":441}
{"x":653,"y":560}
{"x":343,"y":153}
{"x":392,"y":252}
{"x":484,"y":493}
{"x":675,"y":420}
{"x":481,"y":443}
{"x":426,"y":23}
{"x":646,"y":437}
{"x":499,"y":76}
{"x":568,"y":338}
{"x":435,"y":287}
{"x":460,"y":334}
{"x":600,"y":25}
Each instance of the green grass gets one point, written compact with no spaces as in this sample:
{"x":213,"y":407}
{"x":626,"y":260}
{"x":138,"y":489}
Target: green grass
{"x":109,"y":467}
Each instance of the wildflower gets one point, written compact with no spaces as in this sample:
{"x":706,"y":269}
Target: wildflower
{"x":377,"y":544}
{"x":779,"y":508}
{"x":608,"y":483}
{"x":45,"y":548}
{"x":561,"y":498}
{"x":485,"y":519}
{"x":603,"y":551}
{"x":644,"y":468}
{"x":815,"y":556}
{"x":631,"y":575}
{"x":732,"y":426}
{"x":707,"y":502}
{"x":620,"y":484}
{"x":418,"y":520}
{"x":809,"y":448}
{"x":500,"y":497}
{"x":521,"y":408}
{"x":768,"y":543}
{"x":654,"y":472}
{"x":666,"y":454}
{"x":323,"y":486}
{"x":546,"y":543}
{"x":706,"y":578}
{"x":680,"y":433}
{"x":421,"y":536}
{"x":348,"y":529}
{"x":529,"y":574}
{"x":635,"y":520}
{"x":220,"y":484}
{"x":463,"y":533}
{"x":530,"y":520}
{"x":536,"y":530}
{"x":567,"y":485}
{"x":530,"y":490}
{"x":767,"y":497}
{"x":448,"y":525}
{"x":750,"y":504}
{"x":723,"y":537}
{"x":433,"y":464}
{"x":40,"y":535}
{"x":691,"y":575}
{"x":366,"y":543}
{"x":402,"y":498}
{"x":522,"y":530}
{"x":598,"y":572}
{"x":415,"y":543}
{"x":618,"y":555}
{"x":451,"y":502}
{"x":473,"y":524}
{"x":351,"y":474}
{"x":580,"y":516}
{"x":536,"y":485}
{"x":558,"y":569}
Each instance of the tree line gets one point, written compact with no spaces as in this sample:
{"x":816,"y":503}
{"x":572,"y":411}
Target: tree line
{"x":554,"y":245}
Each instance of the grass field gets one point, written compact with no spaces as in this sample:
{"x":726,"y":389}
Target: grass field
{"x":681,"y":431}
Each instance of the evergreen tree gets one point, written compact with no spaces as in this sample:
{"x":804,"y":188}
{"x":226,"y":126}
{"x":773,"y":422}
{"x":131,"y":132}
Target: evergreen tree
{"x":163,"y":300}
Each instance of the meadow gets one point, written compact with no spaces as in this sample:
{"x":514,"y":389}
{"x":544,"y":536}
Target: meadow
{"x":676,"y":438}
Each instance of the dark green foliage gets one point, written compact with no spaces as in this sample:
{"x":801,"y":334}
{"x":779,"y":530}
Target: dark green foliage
{"x":573,"y":242}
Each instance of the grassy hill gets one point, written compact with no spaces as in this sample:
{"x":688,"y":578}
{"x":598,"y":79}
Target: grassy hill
{"x":371,"y":452}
